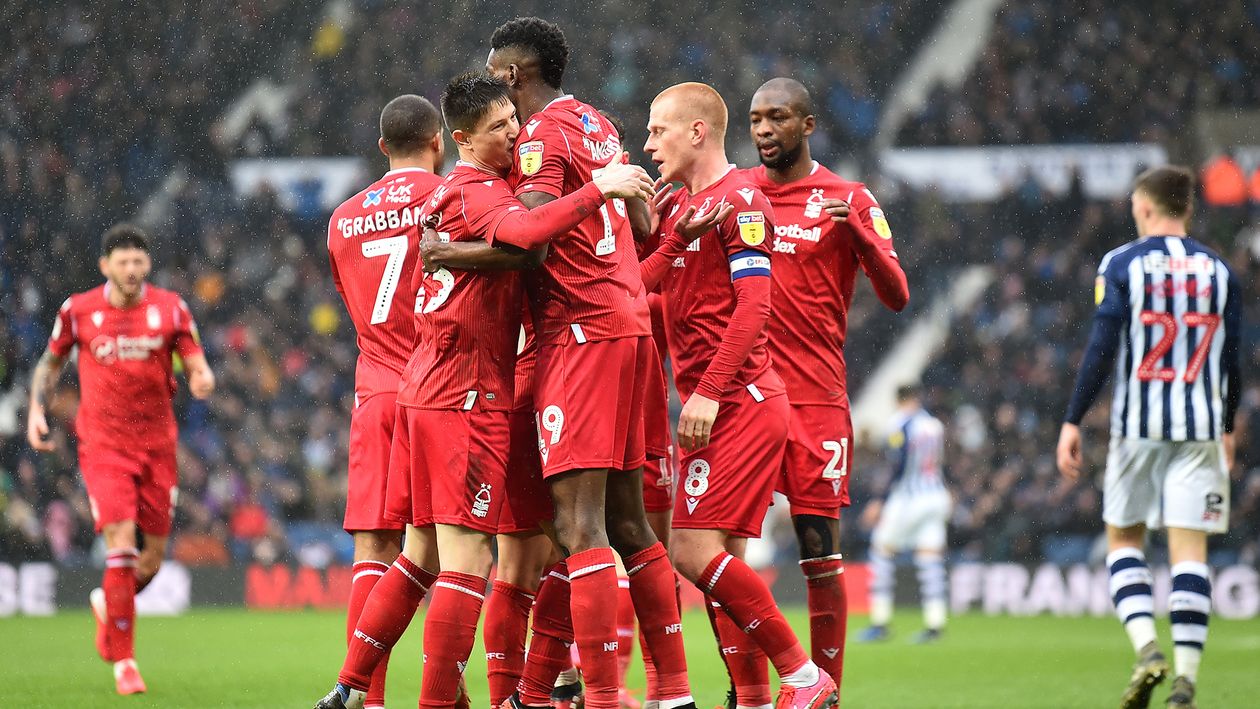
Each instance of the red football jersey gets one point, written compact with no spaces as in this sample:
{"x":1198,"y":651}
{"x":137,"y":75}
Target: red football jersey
{"x":468,"y":323}
{"x":373,"y":246}
{"x":699,"y":292}
{"x":815,"y":270}
{"x":589,"y":286}
{"x":126,"y":377}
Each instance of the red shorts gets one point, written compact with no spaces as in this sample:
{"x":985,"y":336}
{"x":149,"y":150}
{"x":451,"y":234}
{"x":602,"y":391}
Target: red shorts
{"x":528,"y":498}
{"x":815,"y":474}
{"x":728,"y":484}
{"x":448,"y":467}
{"x":371,"y":437}
{"x":130,"y":484}
{"x":658,"y":484}
{"x":589,"y":401}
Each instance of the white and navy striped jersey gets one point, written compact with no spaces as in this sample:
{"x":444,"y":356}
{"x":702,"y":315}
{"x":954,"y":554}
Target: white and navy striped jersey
{"x":1169,"y":314}
{"x":916,"y":445}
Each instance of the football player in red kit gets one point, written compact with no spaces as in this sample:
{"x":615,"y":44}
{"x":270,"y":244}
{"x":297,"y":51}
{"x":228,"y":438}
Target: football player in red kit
{"x":127,"y":333}
{"x":828,"y":229}
{"x":373,"y":246}
{"x":593,"y":357}
{"x":733,"y":425}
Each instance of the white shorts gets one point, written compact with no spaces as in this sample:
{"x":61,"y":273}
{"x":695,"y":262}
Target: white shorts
{"x":1182,"y":484}
{"x":910,"y":522}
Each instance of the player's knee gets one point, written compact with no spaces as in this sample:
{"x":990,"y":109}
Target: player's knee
{"x":120,"y":535}
{"x":816,"y":536}
{"x":579,"y":530}
{"x":630,"y":534}
{"x":376,"y":546}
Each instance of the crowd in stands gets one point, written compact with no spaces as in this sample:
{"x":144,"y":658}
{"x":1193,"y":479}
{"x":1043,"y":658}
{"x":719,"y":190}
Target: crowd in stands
{"x":99,"y":103}
{"x":1097,"y":72}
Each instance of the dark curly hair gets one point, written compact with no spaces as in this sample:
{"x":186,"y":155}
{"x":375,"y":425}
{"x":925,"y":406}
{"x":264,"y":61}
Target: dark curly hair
{"x":540,"y":38}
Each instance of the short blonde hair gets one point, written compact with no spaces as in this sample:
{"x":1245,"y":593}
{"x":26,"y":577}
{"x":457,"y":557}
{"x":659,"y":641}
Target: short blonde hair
{"x":696,"y":101}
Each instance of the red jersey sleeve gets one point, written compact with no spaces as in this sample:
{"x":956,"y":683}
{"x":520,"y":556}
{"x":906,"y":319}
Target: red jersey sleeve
{"x":187,"y":340}
{"x":874,"y":249}
{"x":62,"y":339}
{"x":744,"y":237}
{"x":542,"y":161}
{"x":486,"y":206}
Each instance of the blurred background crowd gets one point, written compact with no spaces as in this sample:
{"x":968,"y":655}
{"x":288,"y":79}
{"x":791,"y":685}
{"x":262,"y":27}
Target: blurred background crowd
{"x":101,"y":103}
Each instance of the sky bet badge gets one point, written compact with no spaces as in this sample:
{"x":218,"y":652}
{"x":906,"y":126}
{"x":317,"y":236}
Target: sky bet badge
{"x":880,"y":223}
{"x":752,"y":227}
{"x":531,"y":154}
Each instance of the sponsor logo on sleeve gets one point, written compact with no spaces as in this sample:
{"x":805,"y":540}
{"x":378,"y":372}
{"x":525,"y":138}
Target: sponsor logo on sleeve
{"x":880,"y":223}
{"x":531,"y":156}
{"x":1100,"y":290}
{"x":752,"y":227}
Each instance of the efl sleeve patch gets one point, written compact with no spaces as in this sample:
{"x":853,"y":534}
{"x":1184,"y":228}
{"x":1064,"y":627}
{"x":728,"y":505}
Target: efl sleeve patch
{"x":752,"y":227}
{"x":531,"y":156}
{"x":749,"y":263}
{"x":880,"y":223}
{"x":1100,"y":289}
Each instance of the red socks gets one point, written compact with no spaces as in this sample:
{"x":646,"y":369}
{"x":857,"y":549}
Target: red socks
{"x":450,"y":627}
{"x":654,"y":591}
{"x":828,"y":612}
{"x":625,"y":629}
{"x":366,"y":574}
{"x":386,"y":613}
{"x":119,"y":584}
{"x":507,"y":622}
{"x":592,"y":583}
{"x":553,"y":632}
{"x":747,"y":600}
{"x":745,"y":662}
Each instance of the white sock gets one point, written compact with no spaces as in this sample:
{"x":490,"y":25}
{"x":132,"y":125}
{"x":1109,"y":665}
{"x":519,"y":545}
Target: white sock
{"x":934,"y":613}
{"x":676,"y":702}
{"x":881,"y":609}
{"x":806,"y":676}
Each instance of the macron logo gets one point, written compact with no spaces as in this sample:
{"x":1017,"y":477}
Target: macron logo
{"x":747,"y":193}
{"x":691,"y":505}
{"x":831,"y":652}
{"x":532,"y":126}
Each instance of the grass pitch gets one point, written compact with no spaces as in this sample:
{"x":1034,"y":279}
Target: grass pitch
{"x":233,"y":658}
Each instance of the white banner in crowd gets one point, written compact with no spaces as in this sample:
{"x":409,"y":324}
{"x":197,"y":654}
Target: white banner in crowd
{"x":984,"y":174}
{"x":328,"y":180}
{"x":1014,"y":589}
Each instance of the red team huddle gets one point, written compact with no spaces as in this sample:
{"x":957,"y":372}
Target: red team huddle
{"x":509,"y":384}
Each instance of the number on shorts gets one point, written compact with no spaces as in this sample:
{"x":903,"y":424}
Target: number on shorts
{"x":838,"y":466}
{"x":552,"y":421}
{"x":396,"y":248}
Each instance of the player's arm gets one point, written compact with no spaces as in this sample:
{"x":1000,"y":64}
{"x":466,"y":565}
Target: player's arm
{"x":188,"y":345}
{"x":1096,"y":364}
{"x":874,"y":247}
{"x":43,"y":382}
{"x":532,"y":228}
{"x":1231,"y":363}
{"x":476,"y":255}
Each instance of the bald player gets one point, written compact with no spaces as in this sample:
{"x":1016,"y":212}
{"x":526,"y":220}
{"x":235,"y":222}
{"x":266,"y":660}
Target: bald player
{"x":828,"y":228}
{"x":733,"y":426}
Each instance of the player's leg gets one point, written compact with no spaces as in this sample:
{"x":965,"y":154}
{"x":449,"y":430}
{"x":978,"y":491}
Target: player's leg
{"x":579,"y":500}
{"x":149,"y":562}
{"x":929,"y":563}
{"x":377,"y":539}
{"x":883,"y":583}
{"x":550,"y":638}
{"x":1195,"y":504}
{"x":816,"y":463}
{"x":522,"y":558}
{"x":746,"y":665}
{"x":818,"y":538}
{"x":450,"y":624}
{"x":1130,"y":498}
{"x":652,"y":587}
{"x":387,"y":612}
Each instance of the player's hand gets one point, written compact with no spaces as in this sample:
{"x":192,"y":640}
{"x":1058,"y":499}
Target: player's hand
{"x":870,"y":515}
{"x":656,"y":205}
{"x":430,"y":244}
{"x":1069,"y":451}
{"x":1230,"y":445}
{"x":695,"y":424}
{"x":37,"y":430}
{"x":624,"y":181}
{"x":201,"y":382}
{"x":838,"y":209}
{"x":688,"y":228}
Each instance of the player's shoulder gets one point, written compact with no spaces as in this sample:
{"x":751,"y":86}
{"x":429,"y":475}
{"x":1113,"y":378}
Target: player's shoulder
{"x":162,"y":296}
{"x":1118,"y":259}
{"x":741,"y":190}
{"x":363,"y":199}
{"x":90,"y":298}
